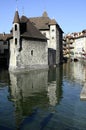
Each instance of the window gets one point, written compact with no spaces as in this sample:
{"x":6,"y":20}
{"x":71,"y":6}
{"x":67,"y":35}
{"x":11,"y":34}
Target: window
{"x":31,"y":52}
{"x":15,"y":41}
{"x":15,"y":27}
{"x":52,"y":37}
{"x":44,"y":34}
{"x":52,"y":30}
{"x":5,"y":43}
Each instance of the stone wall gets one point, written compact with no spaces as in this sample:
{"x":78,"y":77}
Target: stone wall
{"x":12,"y":59}
{"x":3,"y":46}
{"x":32,"y":55}
{"x":59,"y":46}
{"x":51,"y":57}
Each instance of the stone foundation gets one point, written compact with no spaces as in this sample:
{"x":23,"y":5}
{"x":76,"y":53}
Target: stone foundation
{"x":27,"y":68}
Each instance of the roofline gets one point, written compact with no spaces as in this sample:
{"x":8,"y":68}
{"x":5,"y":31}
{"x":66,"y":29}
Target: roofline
{"x":79,"y":37}
{"x":34,"y":38}
{"x":43,"y":29}
{"x":30,"y":38}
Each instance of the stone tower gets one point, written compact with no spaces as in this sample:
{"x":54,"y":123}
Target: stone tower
{"x":15,"y":46}
{"x":16,"y":30}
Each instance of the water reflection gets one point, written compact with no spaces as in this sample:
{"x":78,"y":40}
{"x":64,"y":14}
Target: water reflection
{"x":34,"y":90}
{"x":45,"y":99}
{"x":75,"y":71}
{"x":59,"y":83}
{"x":28,"y":91}
{"x":4,"y":78}
{"x":55,"y":76}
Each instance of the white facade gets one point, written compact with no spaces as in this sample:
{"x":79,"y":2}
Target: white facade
{"x":79,"y":47}
{"x":51,"y":35}
{"x":53,"y":40}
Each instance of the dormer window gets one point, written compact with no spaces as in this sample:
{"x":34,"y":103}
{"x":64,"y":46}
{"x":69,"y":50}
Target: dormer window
{"x":15,"y":27}
{"x":23,"y":27}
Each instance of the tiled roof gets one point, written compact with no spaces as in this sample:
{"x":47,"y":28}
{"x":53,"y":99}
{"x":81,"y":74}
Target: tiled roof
{"x":4,"y":37}
{"x":45,"y":14}
{"x":44,"y":22}
{"x":52,"y":22}
{"x":23,"y":19}
{"x":76,"y":35}
{"x":31,"y":30}
{"x":40,"y":22}
{"x":27,"y":29}
{"x":84,"y":31}
{"x":16,"y":18}
{"x":30,"y":26}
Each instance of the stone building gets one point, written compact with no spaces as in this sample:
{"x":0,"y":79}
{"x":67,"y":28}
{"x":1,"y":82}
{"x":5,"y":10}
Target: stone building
{"x":50,"y":28}
{"x":28,"y":47}
{"x":33,"y":43}
{"x":3,"y":43}
{"x":4,"y":47}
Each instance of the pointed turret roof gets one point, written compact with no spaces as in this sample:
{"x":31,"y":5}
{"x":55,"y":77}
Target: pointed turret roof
{"x":4,"y":37}
{"x":44,"y":22}
{"x":44,"y":14}
{"x":16,"y":18}
{"x":52,"y":22}
{"x":41,"y":22}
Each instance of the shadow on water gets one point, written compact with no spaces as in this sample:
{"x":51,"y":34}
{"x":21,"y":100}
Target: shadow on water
{"x":4,"y":77}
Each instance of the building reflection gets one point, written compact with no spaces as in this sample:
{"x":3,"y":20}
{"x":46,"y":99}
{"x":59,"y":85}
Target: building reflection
{"x":4,"y":77}
{"x":55,"y":77}
{"x":75,"y":71}
{"x":28,"y":91}
{"x":35,"y":90}
{"x":59,"y":81}
{"x":79,"y":70}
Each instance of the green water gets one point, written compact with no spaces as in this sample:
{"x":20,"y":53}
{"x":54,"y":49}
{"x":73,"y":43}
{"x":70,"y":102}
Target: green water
{"x":43,"y":100}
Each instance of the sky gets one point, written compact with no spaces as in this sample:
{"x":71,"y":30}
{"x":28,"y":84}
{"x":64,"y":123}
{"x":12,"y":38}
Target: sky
{"x":69,"y":14}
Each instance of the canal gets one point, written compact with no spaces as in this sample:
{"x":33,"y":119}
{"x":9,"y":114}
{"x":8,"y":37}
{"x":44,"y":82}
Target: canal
{"x":43,"y":100}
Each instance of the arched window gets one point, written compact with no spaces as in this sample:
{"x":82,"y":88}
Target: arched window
{"x":15,"y":41}
{"x":15,"y":27}
{"x":31,"y":52}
